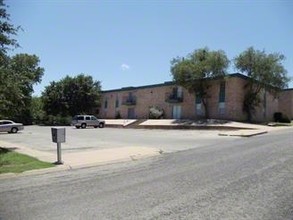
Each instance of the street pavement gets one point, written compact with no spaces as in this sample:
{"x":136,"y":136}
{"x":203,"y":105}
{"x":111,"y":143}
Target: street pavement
{"x":243,"y":178}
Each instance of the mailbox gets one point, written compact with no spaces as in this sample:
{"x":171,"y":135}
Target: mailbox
{"x":58,"y":135}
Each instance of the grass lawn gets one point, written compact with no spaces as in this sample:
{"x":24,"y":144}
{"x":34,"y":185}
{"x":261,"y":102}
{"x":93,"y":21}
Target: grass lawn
{"x":12,"y":162}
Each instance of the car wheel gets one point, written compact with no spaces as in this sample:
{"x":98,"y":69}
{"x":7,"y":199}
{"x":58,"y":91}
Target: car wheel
{"x":14,"y":130}
{"x":77,"y":127}
{"x":83,"y":125}
{"x":101,"y":125}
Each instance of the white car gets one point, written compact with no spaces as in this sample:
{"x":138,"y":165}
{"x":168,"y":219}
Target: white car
{"x":10,"y":126}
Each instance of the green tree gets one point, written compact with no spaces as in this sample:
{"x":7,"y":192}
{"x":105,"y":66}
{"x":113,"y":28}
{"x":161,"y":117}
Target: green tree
{"x":21,"y":72}
{"x":71,"y":96}
{"x":195,"y":71}
{"x":18,"y":74}
{"x":7,"y":31}
{"x":37,"y":110}
{"x":266,"y":73}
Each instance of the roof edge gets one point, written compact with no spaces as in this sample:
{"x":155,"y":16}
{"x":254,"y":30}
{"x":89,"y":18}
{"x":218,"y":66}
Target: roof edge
{"x":167,"y":83}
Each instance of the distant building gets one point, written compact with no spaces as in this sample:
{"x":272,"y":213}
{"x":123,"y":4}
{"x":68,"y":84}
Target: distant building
{"x":225,"y":102}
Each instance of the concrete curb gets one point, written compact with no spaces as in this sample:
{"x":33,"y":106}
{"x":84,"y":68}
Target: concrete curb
{"x":95,"y":158}
{"x":243,"y":133}
{"x":190,"y":127}
{"x":34,"y":172}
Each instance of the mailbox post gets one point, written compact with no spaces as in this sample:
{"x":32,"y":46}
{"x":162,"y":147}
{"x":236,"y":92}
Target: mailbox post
{"x":58,"y":136}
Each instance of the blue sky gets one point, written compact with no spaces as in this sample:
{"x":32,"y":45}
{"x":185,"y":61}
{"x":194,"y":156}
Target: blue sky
{"x":131,"y":43}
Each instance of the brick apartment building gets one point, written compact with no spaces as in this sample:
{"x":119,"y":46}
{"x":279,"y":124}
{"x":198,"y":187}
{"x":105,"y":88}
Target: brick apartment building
{"x":225,"y":102}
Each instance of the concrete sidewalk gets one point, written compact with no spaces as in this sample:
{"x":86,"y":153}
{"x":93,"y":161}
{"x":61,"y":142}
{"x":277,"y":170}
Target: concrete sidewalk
{"x":87,"y":158}
{"x":119,"y":122}
{"x":96,"y":157}
{"x":82,"y":159}
{"x":226,"y":128}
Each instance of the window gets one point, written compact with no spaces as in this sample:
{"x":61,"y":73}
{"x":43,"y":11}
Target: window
{"x":198,"y":105}
{"x":106,"y":104}
{"x":198,"y":99}
{"x":222,"y":108}
{"x":87,"y":118}
{"x":199,"y":109}
{"x":93,"y":118}
{"x":222,"y":98}
{"x":179,"y":92}
{"x":117,"y":103}
{"x":175,"y":92}
{"x":222,"y":92}
{"x":80,"y":118}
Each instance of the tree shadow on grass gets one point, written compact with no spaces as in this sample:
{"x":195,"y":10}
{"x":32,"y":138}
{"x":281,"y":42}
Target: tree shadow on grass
{"x":6,"y":150}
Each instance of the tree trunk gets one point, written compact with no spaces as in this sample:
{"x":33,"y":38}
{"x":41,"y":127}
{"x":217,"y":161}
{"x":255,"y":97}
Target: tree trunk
{"x":206,"y":109}
{"x":249,"y":115}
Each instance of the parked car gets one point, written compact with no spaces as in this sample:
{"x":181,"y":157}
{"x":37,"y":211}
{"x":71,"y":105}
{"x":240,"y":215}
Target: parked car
{"x":83,"y":121}
{"x":10,"y":126}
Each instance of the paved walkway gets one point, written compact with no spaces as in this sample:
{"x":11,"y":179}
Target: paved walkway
{"x":83,"y":159}
{"x":228,"y":128}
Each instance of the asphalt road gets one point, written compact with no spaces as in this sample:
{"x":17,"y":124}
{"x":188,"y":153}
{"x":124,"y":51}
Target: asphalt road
{"x":39,"y":138}
{"x":247,"y":178}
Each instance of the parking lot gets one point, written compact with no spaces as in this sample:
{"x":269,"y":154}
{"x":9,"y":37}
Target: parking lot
{"x":39,"y":138}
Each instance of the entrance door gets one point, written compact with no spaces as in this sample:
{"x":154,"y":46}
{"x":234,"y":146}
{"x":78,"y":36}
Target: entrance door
{"x":176,"y":111}
{"x":131,"y":113}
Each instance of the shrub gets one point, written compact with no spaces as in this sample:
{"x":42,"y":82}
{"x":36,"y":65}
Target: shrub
{"x":280,"y":117}
{"x":57,"y":120}
{"x":118,"y":115}
{"x":156,"y":113}
{"x":285,"y":119}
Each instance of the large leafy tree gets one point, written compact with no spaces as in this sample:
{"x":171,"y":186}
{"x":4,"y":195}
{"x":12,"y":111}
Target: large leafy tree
{"x":20,"y":74}
{"x":37,"y":109}
{"x":266,"y":73}
{"x":71,"y":96}
{"x":7,"y":32}
{"x":196,"y":69}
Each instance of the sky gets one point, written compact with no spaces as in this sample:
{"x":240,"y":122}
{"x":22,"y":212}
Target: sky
{"x":131,"y":43}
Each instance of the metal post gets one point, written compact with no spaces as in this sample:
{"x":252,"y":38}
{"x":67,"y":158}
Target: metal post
{"x":59,"y":161}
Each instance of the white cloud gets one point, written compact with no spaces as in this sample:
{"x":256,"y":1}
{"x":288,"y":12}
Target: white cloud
{"x":125,"y":67}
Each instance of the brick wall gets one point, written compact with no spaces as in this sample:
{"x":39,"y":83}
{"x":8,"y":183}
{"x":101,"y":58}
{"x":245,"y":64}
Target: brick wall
{"x":155,"y":95}
{"x":286,"y":103}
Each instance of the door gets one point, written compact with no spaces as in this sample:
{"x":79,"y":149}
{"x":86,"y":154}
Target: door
{"x":177,"y":112}
{"x":131,"y":113}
